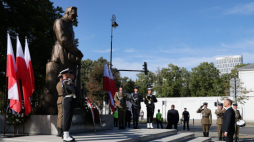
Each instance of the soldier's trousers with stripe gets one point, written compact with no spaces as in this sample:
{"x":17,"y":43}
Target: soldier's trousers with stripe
{"x":68,"y":106}
{"x":150,"y":112}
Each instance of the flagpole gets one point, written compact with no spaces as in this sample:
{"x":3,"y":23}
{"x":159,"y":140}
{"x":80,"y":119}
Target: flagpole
{"x":5,"y":104}
{"x":5,"y":98}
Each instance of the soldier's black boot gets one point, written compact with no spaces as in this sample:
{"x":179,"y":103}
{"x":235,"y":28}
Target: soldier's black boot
{"x":207,"y":134}
{"x":204,"y":134}
{"x":59,"y":132}
{"x":220,"y":138}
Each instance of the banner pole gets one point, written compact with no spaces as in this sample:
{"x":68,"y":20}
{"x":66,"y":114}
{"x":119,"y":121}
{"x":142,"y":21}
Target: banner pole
{"x":5,"y":106}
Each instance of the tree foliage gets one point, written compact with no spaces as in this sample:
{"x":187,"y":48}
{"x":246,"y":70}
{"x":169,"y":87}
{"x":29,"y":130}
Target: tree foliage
{"x":34,"y":19}
{"x":92,"y":76}
{"x":144,"y":81}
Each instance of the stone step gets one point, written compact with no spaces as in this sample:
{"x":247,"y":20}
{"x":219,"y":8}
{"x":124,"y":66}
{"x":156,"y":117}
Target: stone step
{"x":176,"y":138}
{"x":115,"y":135}
{"x":199,"y":139}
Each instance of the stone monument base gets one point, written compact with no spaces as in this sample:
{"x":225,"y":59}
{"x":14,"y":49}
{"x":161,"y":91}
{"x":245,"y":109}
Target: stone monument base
{"x":47,"y":124}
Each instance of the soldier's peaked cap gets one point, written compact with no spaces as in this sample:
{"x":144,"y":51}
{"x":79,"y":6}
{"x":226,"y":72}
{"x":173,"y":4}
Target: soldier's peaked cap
{"x":235,"y":104}
{"x":60,"y":75}
{"x":150,"y":88}
{"x":220,"y":104}
{"x":71,"y":71}
{"x":135,"y":87}
{"x":65,"y":71}
{"x":205,"y":103}
{"x":121,"y":86}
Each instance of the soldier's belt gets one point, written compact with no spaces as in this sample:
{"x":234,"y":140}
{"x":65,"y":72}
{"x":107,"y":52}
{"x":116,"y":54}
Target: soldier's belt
{"x":61,"y":95}
{"x":68,"y":95}
{"x":205,"y":116}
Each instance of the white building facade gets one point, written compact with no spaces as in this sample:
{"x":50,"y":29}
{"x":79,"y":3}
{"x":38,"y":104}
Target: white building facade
{"x":226,"y":64}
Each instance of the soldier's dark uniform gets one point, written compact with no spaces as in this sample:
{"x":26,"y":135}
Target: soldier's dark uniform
{"x":206,"y":120}
{"x":237,"y":118}
{"x":59,"y":89}
{"x":149,"y":101}
{"x":69,"y":91}
{"x":120,"y":99}
{"x":135,"y":100}
{"x":219,"y":113}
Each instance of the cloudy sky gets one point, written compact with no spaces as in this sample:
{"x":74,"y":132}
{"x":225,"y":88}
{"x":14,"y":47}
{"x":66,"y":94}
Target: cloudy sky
{"x":159,"y":32}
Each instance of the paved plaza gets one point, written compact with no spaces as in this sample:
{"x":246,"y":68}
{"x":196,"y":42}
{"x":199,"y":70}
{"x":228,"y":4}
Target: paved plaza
{"x":246,"y":135}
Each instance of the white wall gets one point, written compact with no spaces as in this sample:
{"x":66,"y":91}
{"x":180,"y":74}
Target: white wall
{"x":193,"y":103}
{"x":247,"y":77}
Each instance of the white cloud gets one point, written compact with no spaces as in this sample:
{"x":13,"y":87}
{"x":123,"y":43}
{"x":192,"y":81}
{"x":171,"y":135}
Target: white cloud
{"x":103,"y":51}
{"x":130,"y":50}
{"x":244,"y":44}
{"x":246,"y":9}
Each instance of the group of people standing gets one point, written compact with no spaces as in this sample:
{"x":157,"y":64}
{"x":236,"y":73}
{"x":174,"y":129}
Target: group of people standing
{"x":135,"y":99}
{"x":227,"y":118}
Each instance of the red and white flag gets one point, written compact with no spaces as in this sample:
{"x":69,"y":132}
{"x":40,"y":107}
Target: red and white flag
{"x":107,"y":87}
{"x":29,"y":66}
{"x":13,"y":83}
{"x":22,"y":74}
{"x":113,"y":90}
{"x":106,"y":81}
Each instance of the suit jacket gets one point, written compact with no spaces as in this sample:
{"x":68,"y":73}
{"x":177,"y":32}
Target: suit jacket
{"x":228,"y":124}
{"x":173,"y":116}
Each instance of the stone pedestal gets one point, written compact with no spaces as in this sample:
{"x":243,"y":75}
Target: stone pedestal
{"x":47,"y":124}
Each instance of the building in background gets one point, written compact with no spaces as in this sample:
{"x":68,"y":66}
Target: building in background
{"x":226,"y":64}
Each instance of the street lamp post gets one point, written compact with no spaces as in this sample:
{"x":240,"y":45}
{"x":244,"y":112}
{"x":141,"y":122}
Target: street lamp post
{"x":113,"y":24}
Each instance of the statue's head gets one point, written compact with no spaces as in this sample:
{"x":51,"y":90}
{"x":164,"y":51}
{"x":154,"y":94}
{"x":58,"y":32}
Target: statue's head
{"x":71,"y":13}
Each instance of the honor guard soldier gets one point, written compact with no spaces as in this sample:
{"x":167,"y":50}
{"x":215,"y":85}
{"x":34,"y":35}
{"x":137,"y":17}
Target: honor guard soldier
{"x":120,"y":99}
{"x":59,"y":89}
{"x":220,"y":112}
{"x":206,"y":120}
{"x":149,"y":101}
{"x":186,"y":118}
{"x":69,"y":91}
{"x":135,"y":100}
{"x":237,"y":118}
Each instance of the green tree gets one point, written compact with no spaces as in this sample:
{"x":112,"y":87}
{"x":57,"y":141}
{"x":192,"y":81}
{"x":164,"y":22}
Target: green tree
{"x":92,"y":76}
{"x":144,"y":81}
{"x":226,"y":84}
{"x":34,"y":19}
{"x":128,"y":84}
{"x":174,"y":81}
{"x":205,"y":80}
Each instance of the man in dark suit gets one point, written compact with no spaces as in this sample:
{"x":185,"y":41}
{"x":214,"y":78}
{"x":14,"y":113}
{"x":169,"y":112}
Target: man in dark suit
{"x":173,"y":117}
{"x":228,"y":125}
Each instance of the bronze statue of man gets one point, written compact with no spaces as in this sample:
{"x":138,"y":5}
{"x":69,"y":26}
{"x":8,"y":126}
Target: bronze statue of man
{"x":65,"y":54}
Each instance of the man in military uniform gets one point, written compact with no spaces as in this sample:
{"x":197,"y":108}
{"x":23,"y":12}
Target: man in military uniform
{"x":220,"y":112}
{"x":186,"y":118}
{"x":59,"y":89}
{"x":149,"y":101}
{"x":120,"y":99}
{"x":206,"y":120}
{"x":135,"y":100}
{"x":237,"y":118}
{"x":69,"y":91}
